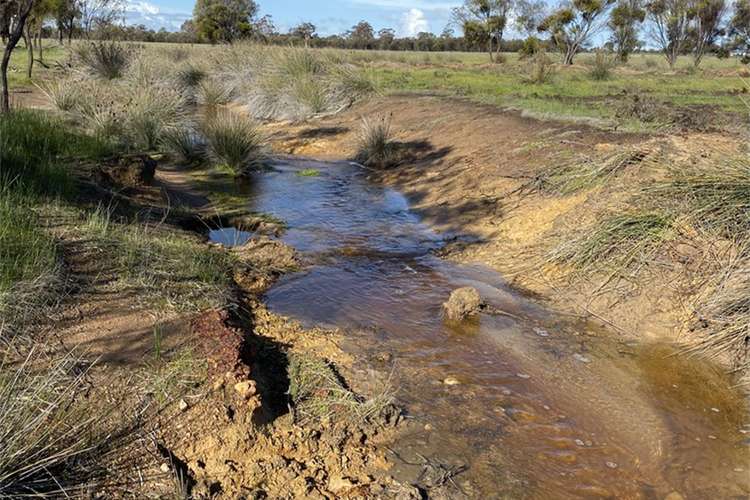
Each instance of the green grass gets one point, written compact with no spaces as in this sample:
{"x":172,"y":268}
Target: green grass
{"x":173,"y":269}
{"x":571,"y":92}
{"x":52,"y":53}
{"x":309,"y":172}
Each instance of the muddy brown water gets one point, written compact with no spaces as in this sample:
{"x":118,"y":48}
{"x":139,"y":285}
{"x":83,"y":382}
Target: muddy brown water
{"x":545,"y":406}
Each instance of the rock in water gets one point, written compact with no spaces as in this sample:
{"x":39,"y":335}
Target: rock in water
{"x":463,"y":302}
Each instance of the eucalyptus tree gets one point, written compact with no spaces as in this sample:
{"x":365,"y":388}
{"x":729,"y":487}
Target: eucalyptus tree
{"x":484,"y":21}
{"x":18,"y":11}
{"x":669,"y":22}
{"x":624,"y":23}
{"x":573,"y":24}
{"x":706,"y":26}
{"x":739,"y":29}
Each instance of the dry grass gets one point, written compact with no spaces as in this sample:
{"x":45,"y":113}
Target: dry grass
{"x":318,"y":393}
{"x":106,"y":60}
{"x":55,"y":442}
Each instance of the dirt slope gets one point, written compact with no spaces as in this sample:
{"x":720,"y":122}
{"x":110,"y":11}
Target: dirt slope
{"x":472,"y":170}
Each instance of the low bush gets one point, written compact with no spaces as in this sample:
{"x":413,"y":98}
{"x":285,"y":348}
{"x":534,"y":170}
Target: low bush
{"x":184,"y":144}
{"x":540,"y":69}
{"x":601,"y":67}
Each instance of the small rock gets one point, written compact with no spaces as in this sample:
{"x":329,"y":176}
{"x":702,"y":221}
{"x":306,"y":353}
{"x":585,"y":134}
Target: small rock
{"x":581,"y":358}
{"x":611,"y":465}
{"x":523,"y":375}
{"x":164,"y":468}
{"x":541,"y":332}
{"x":580,"y":442}
{"x":450,"y":380}
{"x":739,"y":469}
{"x":674,"y":496}
{"x":427,"y":427}
{"x":246,"y":388}
{"x":183,"y":405}
{"x":338,"y":484}
{"x":463,"y":302}
{"x":384,"y":357}
{"x":506,"y":392}
{"x":711,"y":436}
{"x":715,"y":410}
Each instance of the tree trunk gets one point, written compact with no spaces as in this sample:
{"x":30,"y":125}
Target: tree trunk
{"x":41,"y":54}
{"x":489,"y":49}
{"x":13,"y":38}
{"x":30,"y":50}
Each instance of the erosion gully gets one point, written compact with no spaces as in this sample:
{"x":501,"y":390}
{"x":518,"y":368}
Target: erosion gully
{"x":546,"y":406}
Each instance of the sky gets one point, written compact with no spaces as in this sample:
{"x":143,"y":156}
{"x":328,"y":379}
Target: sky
{"x":407,"y":17}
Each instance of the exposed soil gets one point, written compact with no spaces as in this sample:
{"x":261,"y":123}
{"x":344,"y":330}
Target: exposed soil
{"x":229,"y":433}
{"x":469,"y":173}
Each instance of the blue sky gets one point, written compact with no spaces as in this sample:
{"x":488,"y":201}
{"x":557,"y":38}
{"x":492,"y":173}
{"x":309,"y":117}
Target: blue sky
{"x":407,"y":17}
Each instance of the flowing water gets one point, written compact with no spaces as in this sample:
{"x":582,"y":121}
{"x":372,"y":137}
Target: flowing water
{"x":545,"y":406}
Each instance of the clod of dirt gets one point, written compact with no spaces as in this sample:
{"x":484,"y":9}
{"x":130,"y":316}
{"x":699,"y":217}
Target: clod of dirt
{"x":462,"y":303}
{"x":261,"y":261}
{"x":129,"y":170}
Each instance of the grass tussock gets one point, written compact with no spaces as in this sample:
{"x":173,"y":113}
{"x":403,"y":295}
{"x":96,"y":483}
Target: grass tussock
{"x":569,"y":177}
{"x":318,"y":393}
{"x":235,"y":143}
{"x":375,"y":146}
{"x":106,"y":60}
{"x":714,"y":194}
{"x":55,"y":444}
{"x":539,"y":69}
{"x":184,"y":144}
{"x":600,"y":68}
{"x":619,"y":243}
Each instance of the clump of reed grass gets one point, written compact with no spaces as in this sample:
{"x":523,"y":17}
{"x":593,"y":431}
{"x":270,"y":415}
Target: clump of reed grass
{"x":185,"y":144}
{"x":149,"y":112}
{"x":55,"y":444}
{"x":620,"y":242}
{"x":317,"y":393}
{"x":190,"y":76}
{"x":235,"y":143}
{"x":103,"y":59}
{"x":65,"y":94}
{"x":213,"y":93}
{"x":375,"y":147}
{"x":713,"y":194}
{"x":571,"y":176}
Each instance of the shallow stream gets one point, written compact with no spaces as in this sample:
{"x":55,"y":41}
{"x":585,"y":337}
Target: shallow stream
{"x":545,"y":406}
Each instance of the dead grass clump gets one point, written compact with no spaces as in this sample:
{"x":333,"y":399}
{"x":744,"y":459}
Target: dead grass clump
{"x":55,"y":443}
{"x":235,"y":143}
{"x":375,"y":147}
{"x":572,"y":176}
{"x":601,"y":67}
{"x":619,"y":244}
{"x":103,"y":59}
{"x":640,"y":107}
{"x":713,"y":194}
{"x":318,"y":393}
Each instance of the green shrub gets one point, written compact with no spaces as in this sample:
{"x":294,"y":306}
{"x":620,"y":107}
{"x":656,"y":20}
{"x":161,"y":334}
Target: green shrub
{"x":601,"y":67}
{"x":540,"y":69}
{"x":530,"y":47}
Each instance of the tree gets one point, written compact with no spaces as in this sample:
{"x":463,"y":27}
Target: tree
{"x":623,"y":24}
{"x":484,"y":19}
{"x":305,"y":31}
{"x":572,"y":26}
{"x":739,"y":29}
{"x":224,"y":20}
{"x":96,"y":12}
{"x":361,"y":35}
{"x":19,"y":12}
{"x":707,"y":17}
{"x":529,"y":15}
{"x":385,"y":38}
{"x":66,"y":13}
{"x":669,"y":26}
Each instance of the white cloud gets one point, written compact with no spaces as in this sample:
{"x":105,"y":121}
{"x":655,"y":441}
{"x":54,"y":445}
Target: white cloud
{"x":150,"y":15}
{"x":414,"y":22}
